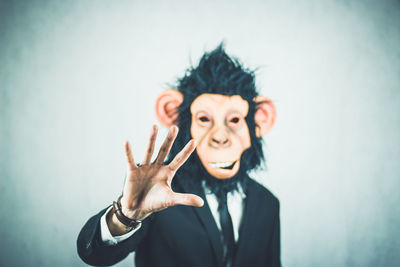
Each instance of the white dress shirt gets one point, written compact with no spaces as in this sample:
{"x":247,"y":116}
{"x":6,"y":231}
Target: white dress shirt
{"x":235,"y":201}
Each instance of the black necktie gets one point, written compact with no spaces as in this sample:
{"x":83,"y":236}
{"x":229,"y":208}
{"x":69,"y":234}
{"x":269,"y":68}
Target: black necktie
{"x":227,"y":231}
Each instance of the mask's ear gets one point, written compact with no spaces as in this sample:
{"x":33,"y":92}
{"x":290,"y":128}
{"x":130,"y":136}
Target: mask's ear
{"x":167,"y":104}
{"x":265,"y":115}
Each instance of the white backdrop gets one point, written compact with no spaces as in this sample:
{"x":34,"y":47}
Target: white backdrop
{"x":78,"y":78}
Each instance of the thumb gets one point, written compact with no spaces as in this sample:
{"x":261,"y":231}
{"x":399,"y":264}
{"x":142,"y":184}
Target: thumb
{"x":188,"y":200}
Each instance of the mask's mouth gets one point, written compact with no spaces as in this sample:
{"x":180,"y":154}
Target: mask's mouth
{"x":228,"y":165}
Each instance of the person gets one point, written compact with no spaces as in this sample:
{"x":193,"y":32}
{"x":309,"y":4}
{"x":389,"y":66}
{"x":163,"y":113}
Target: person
{"x":195,"y":204}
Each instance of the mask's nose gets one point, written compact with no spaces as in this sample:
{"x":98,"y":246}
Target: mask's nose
{"x":220,"y":139}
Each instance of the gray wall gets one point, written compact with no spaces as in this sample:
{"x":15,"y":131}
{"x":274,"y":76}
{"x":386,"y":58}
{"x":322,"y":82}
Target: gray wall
{"x":77,"y":78}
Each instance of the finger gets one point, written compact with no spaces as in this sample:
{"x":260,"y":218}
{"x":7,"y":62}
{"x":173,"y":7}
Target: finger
{"x":150,"y":148}
{"x":166,"y":146}
{"x":187,"y":200}
{"x":182,"y":156}
{"x":129,"y":156}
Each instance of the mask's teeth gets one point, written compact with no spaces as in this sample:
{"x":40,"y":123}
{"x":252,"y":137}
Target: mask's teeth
{"x":220,"y":164}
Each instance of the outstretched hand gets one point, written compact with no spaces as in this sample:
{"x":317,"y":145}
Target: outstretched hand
{"x":147,"y":187}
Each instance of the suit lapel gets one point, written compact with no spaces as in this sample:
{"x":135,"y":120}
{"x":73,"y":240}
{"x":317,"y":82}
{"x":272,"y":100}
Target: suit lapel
{"x":207,"y":220}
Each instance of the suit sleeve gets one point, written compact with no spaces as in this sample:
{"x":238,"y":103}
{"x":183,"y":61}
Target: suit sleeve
{"x":276,"y":240}
{"x":94,"y":252}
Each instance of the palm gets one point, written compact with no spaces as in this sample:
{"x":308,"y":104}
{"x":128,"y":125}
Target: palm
{"x":148,"y":186}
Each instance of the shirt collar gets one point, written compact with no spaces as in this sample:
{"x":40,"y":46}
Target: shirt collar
{"x":240,"y":190}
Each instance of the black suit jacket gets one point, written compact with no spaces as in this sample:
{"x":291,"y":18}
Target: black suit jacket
{"x":188,"y":236}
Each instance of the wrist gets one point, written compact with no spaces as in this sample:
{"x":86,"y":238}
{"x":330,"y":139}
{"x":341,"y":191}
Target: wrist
{"x":129,"y":222}
{"x":115,"y":226}
{"x":135,"y":214}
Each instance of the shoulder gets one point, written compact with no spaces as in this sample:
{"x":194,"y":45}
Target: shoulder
{"x":261,"y":192}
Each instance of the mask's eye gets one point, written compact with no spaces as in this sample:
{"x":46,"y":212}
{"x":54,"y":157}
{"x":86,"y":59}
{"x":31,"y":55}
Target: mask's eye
{"x":203,"y":119}
{"x":234,"y":120}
